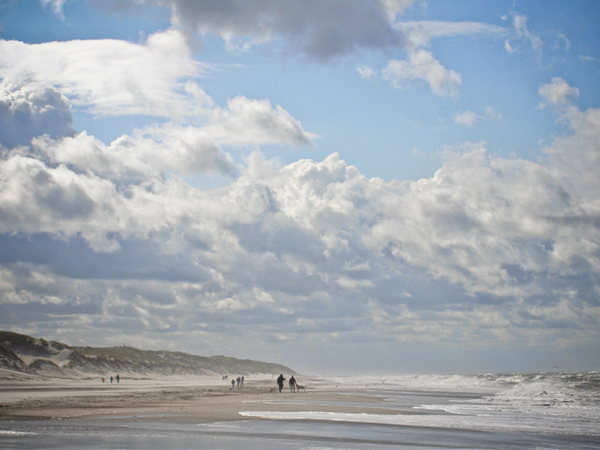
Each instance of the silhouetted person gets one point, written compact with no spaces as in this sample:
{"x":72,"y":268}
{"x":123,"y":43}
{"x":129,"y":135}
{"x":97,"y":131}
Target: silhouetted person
{"x":118,"y":378}
{"x":280,"y":381}
{"x":292,"y":384}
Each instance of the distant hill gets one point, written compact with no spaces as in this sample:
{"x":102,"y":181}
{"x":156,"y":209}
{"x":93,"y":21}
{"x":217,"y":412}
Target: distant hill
{"x":27,"y":355}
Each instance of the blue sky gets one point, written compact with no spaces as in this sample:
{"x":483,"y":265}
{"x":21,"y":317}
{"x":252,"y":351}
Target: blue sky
{"x":360,"y":178}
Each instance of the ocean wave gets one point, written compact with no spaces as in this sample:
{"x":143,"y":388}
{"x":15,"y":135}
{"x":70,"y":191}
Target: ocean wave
{"x":556,"y":401}
{"x":580,"y":381}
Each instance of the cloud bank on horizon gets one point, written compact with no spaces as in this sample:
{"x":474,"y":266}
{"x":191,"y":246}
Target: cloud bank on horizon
{"x":491,"y":262}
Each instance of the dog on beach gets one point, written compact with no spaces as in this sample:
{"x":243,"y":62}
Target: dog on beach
{"x":298,"y":386}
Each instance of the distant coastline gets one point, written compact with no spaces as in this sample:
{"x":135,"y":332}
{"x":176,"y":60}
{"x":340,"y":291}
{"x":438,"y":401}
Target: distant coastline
{"x":22,"y":355}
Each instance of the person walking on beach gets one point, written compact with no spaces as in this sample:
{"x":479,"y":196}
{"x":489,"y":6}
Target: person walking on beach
{"x":292,"y":384}
{"x":242,"y":380}
{"x":232,"y":384}
{"x":118,"y":378}
{"x":238,"y":379}
{"x":280,"y":381}
{"x":111,"y":378}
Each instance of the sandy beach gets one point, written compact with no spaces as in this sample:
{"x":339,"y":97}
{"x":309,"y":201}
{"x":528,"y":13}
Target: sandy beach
{"x":185,"y":400}
{"x":429,"y":412}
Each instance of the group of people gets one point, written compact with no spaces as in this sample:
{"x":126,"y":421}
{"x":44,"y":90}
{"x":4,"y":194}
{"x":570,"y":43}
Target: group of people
{"x":118,"y":378}
{"x":291,"y":382}
{"x":240,"y":382}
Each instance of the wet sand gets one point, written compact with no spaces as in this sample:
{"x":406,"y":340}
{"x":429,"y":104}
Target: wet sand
{"x":185,"y":400}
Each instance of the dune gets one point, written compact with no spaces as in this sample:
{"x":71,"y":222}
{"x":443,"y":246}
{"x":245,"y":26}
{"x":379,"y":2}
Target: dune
{"x":21,"y":354}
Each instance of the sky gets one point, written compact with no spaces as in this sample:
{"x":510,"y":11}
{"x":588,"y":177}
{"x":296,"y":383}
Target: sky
{"x":344,"y":187}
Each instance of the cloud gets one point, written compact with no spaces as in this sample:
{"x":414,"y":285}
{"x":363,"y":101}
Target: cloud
{"x":62,"y":183}
{"x":421,"y":65}
{"x":487,"y":250}
{"x":557,"y":93}
{"x":186,"y":150}
{"x":520,"y":24}
{"x":140,"y":79}
{"x":144,"y":155}
{"x":37,"y":198}
{"x":395,"y":7}
{"x":578,"y":154}
{"x":320,"y":29}
{"x":111,"y":77}
{"x":323,"y":30}
{"x":366,"y":72}
{"x":56,"y":6}
{"x":565,"y":39}
{"x":470,"y":118}
{"x":28,"y":111}
{"x":315,"y":28}
{"x":248,"y":121}
{"x":420,"y":34}
{"x":522,"y":34}
{"x":467,"y":118}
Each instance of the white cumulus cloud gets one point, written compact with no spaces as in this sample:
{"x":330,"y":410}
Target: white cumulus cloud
{"x":557,"y":93}
{"x":421,"y":65}
{"x":468,"y":118}
{"x":29,"y":111}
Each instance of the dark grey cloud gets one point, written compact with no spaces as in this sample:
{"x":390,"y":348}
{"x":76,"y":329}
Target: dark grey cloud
{"x":320,"y":29}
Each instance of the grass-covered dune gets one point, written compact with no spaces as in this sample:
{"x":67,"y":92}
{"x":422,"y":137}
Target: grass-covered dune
{"x":28,"y":355}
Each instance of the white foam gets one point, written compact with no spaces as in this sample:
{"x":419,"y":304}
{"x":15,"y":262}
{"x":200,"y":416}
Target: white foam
{"x":520,"y":384}
{"x":473,"y":420}
{"x":16,"y":433}
{"x":544,"y":402}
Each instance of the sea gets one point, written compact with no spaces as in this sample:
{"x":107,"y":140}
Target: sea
{"x":485,"y":411}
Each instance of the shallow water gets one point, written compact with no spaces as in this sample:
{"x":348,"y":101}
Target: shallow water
{"x":537,"y":411}
{"x":273,"y":434}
